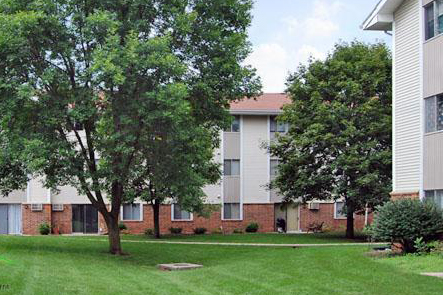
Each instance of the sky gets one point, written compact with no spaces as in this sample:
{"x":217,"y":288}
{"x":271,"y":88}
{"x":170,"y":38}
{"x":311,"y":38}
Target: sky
{"x":285,"y":33}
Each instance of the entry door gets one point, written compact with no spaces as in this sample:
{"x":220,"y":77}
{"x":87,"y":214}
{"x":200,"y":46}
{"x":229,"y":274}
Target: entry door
{"x":14,"y":219}
{"x":84,"y":219}
{"x":3,"y":219}
{"x":293,"y":218}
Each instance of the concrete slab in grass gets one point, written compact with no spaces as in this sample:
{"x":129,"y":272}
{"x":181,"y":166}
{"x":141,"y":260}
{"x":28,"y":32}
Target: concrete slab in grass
{"x":178,"y":266}
{"x":433,"y":274}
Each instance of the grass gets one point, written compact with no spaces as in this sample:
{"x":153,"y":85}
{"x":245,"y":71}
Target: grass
{"x":76,"y":265}
{"x":415,"y":264}
{"x":272,"y":238}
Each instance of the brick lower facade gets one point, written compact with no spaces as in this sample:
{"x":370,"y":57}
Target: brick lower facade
{"x":32,"y":219}
{"x":326,"y":214}
{"x":263,"y":214}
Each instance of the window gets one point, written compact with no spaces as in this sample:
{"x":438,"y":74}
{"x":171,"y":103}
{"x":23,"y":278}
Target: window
{"x":274,"y":167}
{"x":435,"y":196}
{"x":430,"y":22}
{"x":235,"y":125}
{"x":231,"y":167}
{"x":434,"y":19}
{"x":179,"y":214}
{"x":231,"y":211}
{"x":277,"y":126}
{"x":434,"y":113}
{"x":131,"y":212}
{"x":339,"y":210}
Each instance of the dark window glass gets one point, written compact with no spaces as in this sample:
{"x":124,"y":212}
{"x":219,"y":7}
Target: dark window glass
{"x":439,"y":16}
{"x":231,"y":167}
{"x":277,"y":126}
{"x":235,"y":125}
{"x":231,"y":211}
{"x":131,"y":212}
{"x":180,"y":214}
{"x":429,"y":19}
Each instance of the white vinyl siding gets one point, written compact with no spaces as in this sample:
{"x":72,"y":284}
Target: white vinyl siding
{"x":407,"y":97}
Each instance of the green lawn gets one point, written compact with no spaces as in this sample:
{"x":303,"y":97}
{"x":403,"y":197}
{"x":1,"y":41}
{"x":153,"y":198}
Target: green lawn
{"x":77,"y":265}
{"x":273,"y":238}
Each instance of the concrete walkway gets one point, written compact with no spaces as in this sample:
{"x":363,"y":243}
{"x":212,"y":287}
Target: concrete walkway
{"x":247,"y":244}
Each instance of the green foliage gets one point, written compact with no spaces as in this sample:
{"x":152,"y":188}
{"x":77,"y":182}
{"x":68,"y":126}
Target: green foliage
{"x":200,"y":230}
{"x":44,"y":228}
{"x":237,"y":231}
{"x":252,"y":227}
{"x":149,"y":232}
{"x":436,"y":247}
{"x":122,"y":226}
{"x":339,"y":140}
{"x":404,"y":221}
{"x":175,"y":230}
{"x":149,"y":82}
{"x":421,"y":247}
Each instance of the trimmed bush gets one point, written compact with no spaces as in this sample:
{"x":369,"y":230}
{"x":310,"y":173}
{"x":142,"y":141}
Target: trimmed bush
{"x":122,"y":226}
{"x":238,"y":231}
{"x":149,"y":232}
{"x":252,"y":227}
{"x":44,"y":228}
{"x":404,"y":221}
{"x":200,"y":230}
{"x":175,"y":230}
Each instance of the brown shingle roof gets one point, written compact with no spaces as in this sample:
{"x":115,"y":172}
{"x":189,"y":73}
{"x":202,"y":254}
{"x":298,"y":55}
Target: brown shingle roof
{"x":265,"y":102}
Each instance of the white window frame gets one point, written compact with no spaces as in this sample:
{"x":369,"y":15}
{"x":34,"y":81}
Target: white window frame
{"x":335,"y":210}
{"x":435,"y":99}
{"x":191,"y":215}
{"x":233,"y":219}
{"x":230,"y":130}
{"x":435,"y":7}
{"x":230,"y":172}
{"x":141,"y":212}
{"x":273,"y":119}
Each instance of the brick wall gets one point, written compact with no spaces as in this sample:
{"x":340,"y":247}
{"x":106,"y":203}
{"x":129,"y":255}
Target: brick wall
{"x":410,"y":195}
{"x":263,"y":214}
{"x":326,"y":215}
{"x":32,"y":219}
{"x":63,"y":220}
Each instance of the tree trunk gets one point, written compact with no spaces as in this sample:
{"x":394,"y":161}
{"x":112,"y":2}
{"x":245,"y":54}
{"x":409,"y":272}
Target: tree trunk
{"x":114,"y":236}
{"x":349,"y":222}
{"x":156,"y":210}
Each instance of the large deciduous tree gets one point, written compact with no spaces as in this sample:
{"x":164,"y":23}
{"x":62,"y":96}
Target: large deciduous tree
{"x":339,"y":142}
{"x":94,"y":86}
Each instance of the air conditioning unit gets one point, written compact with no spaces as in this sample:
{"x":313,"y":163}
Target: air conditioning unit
{"x":36,"y":207}
{"x":314,"y":206}
{"x":57,"y":207}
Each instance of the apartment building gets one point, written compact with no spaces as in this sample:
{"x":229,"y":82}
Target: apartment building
{"x":241,"y":197}
{"x":417,"y":30}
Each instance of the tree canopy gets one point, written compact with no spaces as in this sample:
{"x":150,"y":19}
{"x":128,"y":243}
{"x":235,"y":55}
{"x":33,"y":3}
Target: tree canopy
{"x":339,"y":142}
{"x":106,"y":92}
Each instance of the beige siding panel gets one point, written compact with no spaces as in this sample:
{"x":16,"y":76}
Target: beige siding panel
{"x":433,"y":67}
{"x":214,"y":192}
{"x":37,"y":193}
{"x":255,"y":160}
{"x":231,"y":189}
{"x":68,"y":195}
{"x":15,"y":197}
{"x":433,"y":161}
{"x":407,"y":129}
{"x":231,"y":145}
{"x":275,"y":197}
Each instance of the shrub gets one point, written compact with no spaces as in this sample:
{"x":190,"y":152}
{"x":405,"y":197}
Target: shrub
{"x":44,"y":228}
{"x":404,"y":221}
{"x":421,"y":247}
{"x":149,"y":232}
{"x":122,"y":226}
{"x":217,"y":231}
{"x":200,"y":230}
{"x":436,"y":247}
{"x":238,"y":231}
{"x":175,"y":230}
{"x":252,"y":227}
